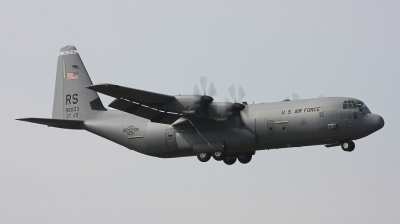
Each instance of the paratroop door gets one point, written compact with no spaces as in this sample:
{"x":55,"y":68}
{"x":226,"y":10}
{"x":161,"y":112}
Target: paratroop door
{"x":171,"y":140}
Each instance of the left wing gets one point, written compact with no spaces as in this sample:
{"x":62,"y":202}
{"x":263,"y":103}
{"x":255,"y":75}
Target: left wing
{"x":152,"y":114}
{"x":136,"y":95}
{"x":141,"y":103}
{"x":166,"y":109}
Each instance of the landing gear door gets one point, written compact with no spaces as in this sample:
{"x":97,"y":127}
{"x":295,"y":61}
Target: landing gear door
{"x":171,"y":140}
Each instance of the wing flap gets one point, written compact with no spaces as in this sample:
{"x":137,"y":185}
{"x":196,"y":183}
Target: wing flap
{"x":140,"y":96}
{"x":149,"y":113}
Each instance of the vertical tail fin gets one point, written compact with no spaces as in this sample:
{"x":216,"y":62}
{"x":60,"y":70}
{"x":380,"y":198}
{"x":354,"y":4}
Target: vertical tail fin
{"x":72,"y":100}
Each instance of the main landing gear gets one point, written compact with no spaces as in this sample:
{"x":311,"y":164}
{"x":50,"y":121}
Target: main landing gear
{"x":348,"y":145}
{"x":228,"y":159}
{"x":204,"y":157}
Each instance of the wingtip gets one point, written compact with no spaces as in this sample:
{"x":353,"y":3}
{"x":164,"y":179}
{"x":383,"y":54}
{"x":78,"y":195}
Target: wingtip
{"x":99,"y":85}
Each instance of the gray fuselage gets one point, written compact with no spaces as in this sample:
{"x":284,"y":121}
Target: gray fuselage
{"x":320,"y":121}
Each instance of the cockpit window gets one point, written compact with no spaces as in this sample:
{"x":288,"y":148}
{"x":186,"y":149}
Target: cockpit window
{"x":349,"y":104}
{"x":362,"y":108}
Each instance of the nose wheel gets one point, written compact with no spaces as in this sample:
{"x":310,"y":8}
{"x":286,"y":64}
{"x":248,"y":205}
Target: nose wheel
{"x":348,"y":146}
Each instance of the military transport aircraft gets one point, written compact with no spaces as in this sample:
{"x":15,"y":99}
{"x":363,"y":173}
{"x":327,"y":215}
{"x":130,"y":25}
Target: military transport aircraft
{"x":169,"y":126}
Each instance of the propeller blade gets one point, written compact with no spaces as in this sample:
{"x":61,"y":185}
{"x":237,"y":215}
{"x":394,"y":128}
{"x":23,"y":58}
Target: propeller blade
{"x":295,"y":96}
{"x":211,"y":90}
{"x":241,"y":94}
{"x":196,"y":90}
{"x":203,"y":84}
{"x":232,"y":92}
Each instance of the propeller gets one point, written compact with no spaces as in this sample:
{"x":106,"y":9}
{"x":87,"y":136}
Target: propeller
{"x":206,"y":97}
{"x":294,"y":97}
{"x":237,"y":106}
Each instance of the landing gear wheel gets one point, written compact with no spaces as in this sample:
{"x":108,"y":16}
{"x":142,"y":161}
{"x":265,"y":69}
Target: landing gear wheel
{"x":218,"y":155}
{"x":204,"y":157}
{"x":352,"y":146}
{"x":229,"y":160}
{"x":245,"y":158}
{"x":348,"y":146}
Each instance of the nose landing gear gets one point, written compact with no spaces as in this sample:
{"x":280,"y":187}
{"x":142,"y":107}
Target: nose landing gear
{"x":348,"y":146}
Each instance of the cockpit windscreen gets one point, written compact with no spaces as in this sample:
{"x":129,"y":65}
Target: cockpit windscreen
{"x":350,"y":104}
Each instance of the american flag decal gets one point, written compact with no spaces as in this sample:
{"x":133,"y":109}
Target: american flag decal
{"x":72,"y":75}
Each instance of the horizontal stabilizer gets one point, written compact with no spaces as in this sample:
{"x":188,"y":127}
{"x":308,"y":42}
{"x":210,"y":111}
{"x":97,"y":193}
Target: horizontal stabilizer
{"x":140,"y":96}
{"x":143,"y":111}
{"x":58,"y":123}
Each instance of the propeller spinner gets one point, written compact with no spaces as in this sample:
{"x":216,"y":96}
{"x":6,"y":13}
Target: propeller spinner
{"x":237,"y":106}
{"x":206,"y":98}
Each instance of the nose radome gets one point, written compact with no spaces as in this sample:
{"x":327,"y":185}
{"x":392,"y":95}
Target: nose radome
{"x":381,"y":122}
{"x":373,"y":122}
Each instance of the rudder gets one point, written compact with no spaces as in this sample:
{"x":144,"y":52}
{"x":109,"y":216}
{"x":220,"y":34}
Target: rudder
{"x":72,"y":100}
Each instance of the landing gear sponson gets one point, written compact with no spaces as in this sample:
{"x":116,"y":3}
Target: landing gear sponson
{"x":245,"y":157}
{"x":229,"y":159}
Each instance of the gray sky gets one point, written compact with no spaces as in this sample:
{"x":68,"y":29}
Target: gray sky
{"x":272,"y":49}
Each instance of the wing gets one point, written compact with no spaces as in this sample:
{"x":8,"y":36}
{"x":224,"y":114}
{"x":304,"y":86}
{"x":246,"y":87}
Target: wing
{"x":136,"y":95}
{"x":141,"y":103}
{"x":167,"y":109}
{"x":152,"y":114}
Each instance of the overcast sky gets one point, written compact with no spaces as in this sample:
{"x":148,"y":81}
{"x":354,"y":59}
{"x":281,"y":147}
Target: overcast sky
{"x":271,"y":48}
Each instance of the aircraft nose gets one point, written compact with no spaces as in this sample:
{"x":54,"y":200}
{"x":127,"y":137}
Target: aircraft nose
{"x":373,"y":122}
